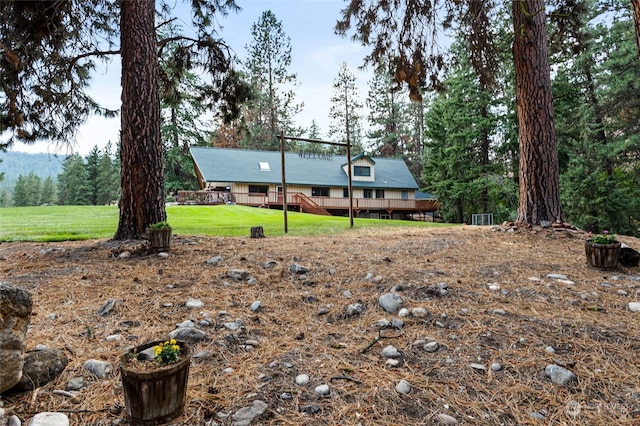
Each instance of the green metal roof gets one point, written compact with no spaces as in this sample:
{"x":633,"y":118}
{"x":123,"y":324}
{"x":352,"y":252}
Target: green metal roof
{"x":237,"y":165}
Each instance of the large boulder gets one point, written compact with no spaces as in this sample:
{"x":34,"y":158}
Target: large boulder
{"x":15,"y":312}
{"x":41,"y":367}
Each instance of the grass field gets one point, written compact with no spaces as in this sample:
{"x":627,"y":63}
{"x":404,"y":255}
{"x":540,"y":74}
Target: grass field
{"x":65,"y":223}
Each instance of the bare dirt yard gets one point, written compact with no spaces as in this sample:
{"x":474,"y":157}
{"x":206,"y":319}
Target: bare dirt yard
{"x":496,"y":316}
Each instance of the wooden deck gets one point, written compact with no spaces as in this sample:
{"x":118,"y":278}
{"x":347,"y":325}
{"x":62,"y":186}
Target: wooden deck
{"x":307,"y":204}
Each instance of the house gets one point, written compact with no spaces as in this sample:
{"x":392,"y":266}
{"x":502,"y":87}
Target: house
{"x":316,"y":183}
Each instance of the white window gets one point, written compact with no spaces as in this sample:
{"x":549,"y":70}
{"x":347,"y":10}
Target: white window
{"x":264,"y":166}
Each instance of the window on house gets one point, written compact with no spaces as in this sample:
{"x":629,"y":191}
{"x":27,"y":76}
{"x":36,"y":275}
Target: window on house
{"x":319,"y":191}
{"x":345,"y":192}
{"x":379,"y":193}
{"x":368,"y":193}
{"x":258,"y":189}
{"x":361,"y":171}
{"x":404,"y":195}
{"x":264,"y":166}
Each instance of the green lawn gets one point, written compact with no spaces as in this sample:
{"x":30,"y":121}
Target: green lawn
{"x":61,"y":223}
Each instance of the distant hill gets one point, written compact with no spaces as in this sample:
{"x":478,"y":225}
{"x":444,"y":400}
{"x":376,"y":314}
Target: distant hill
{"x":15,"y":164}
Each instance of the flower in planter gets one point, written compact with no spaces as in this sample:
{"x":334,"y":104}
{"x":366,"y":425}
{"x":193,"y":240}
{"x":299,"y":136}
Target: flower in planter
{"x":167,"y":352}
{"x":604,"y":238}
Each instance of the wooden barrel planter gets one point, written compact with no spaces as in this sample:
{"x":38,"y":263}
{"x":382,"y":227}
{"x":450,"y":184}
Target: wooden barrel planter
{"x":602,"y":255}
{"x":160,"y":238}
{"x":155,"y":396}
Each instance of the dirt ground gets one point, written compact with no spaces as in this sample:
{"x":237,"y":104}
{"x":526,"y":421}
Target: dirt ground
{"x":500,"y":308}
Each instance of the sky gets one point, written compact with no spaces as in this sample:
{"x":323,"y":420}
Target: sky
{"x":316,"y":57}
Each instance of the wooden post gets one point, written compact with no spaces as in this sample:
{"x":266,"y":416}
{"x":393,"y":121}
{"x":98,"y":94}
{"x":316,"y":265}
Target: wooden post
{"x":284,"y":185}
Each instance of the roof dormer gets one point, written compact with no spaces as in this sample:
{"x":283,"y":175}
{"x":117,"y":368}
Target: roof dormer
{"x":363,"y":168}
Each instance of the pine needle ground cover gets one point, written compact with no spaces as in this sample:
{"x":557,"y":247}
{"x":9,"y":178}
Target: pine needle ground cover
{"x":501,"y":307}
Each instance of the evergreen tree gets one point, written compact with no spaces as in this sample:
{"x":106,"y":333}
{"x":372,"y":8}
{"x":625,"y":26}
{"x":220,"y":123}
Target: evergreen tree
{"x":387,"y":118}
{"x":108,"y":178}
{"x":345,"y":124}
{"x":50,"y":49}
{"x":598,"y":123}
{"x":456,"y":166}
{"x":92,"y":160}
{"x":314,"y":131}
{"x":404,"y":31}
{"x":74,"y":187}
{"x":48,"y":193}
{"x":267,"y":68}
{"x":27,"y":191}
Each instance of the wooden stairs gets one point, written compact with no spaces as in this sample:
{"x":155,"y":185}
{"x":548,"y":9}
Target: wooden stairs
{"x":307,"y":205}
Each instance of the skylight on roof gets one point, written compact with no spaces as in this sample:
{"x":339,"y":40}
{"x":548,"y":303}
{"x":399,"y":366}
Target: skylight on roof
{"x":264,"y":166}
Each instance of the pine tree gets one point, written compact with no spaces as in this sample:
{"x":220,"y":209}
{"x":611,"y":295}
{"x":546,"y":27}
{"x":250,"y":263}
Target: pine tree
{"x":74,"y":187}
{"x":387,"y":117}
{"x":92,"y":160}
{"x":108,"y":178}
{"x":48,"y":193}
{"x":345,"y":124}
{"x":267,"y":68}
{"x":51,"y":48}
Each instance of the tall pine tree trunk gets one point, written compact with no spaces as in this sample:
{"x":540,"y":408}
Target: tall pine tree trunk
{"x":142,"y":175}
{"x":539,"y":173}
{"x":636,"y":15}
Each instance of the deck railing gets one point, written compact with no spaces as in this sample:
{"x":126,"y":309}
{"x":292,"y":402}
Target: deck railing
{"x":328,"y":203}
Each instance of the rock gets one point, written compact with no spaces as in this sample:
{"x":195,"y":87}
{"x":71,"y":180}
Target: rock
{"x":13,"y":421}
{"x":397,"y":323}
{"x":49,"y":419}
{"x":322,"y":390}
{"x":355,"y":309}
{"x":228,"y":370}
{"x":194,"y":303}
{"x":310,"y":409}
{"x":446,"y":419}
{"x":188,"y":334}
{"x":634,"y":306}
{"x":392,"y":362}
{"x":403,"y":387}
{"x":478,"y":367}
{"x":390,"y":352}
{"x":214,"y":260}
{"x":41,"y":367}
{"x":237,"y":274}
{"x":256,"y":306}
{"x":149,"y":353}
{"x":560,"y":375}
{"x":15,"y":312}
{"x":628,"y":256}
{"x":76,"y":383}
{"x":390,"y":302}
{"x":247,"y":415}
{"x":404,"y":312}
{"x":114,"y":338}
{"x":302,"y":379}
{"x":298,"y":269}
{"x":185,"y":324}
{"x":269,"y":264}
{"x":419,"y":312}
{"x":431,"y":347}
{"x":107,"y":308}
{"x":495,"y":367}
{"x":382,"y":324}
{"x":98,"y":368}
